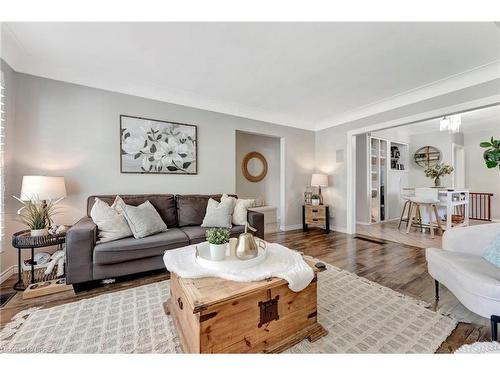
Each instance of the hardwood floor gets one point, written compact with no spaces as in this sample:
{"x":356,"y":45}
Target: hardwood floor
{"x":389,"y":231}
{"x":400,"y":267}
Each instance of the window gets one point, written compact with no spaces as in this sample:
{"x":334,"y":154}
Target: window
{"x":2,"y":141}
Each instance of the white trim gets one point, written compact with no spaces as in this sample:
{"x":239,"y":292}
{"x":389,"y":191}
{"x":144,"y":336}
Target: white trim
{"x":283,"y":205}
{"x":475,"y":76}
{"x":12,"y":270}
{"x":286,"y":228}
{"x":351,"y":143}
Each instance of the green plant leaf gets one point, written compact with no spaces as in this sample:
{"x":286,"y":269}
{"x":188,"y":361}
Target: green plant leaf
{"x":491,"y":164}
{"x":485,"y":144}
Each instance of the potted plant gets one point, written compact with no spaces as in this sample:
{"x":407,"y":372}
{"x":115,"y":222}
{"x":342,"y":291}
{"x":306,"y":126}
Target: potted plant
{"x":36,"y":216}
{"x":491,"y":156}
{"x":218,"y":238}
{"x":436,"y":171}
{"x":315,"y":200}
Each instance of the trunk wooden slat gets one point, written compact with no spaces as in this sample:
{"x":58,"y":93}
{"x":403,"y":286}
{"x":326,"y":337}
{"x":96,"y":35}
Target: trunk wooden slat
{"x":213,"y":315}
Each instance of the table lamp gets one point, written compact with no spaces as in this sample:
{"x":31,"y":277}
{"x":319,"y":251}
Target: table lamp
{"x":319,"y":180}
{"x":43,"y":188}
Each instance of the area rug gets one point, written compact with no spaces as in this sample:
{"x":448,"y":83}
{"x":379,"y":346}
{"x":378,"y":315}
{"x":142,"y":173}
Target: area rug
{"x":361,"y":317}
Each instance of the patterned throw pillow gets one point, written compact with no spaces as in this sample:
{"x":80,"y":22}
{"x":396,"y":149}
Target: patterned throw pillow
{"x":219,"y":215}
{"x":111,"y":224}
{"x":492,"y":252}
{"x":144,"y":220}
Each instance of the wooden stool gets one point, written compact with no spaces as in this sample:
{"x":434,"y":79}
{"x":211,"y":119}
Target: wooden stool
{"x":406,"y":219}
{"x":430,"y":206}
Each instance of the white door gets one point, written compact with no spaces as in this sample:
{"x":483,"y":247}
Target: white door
{"x":458,"y":166}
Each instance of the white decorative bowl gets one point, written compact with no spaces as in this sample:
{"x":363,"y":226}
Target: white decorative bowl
{"x":230,"y":263}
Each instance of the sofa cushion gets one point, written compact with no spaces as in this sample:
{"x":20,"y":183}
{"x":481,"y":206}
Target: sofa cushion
{"x":191,"y":209}
{"x":163,"y":203}
{"x":111,"y":224}
{"x":197,"y":234}
{"x":473,"y":273}
{"x":144,"y":220}
{"x":131,"y":248}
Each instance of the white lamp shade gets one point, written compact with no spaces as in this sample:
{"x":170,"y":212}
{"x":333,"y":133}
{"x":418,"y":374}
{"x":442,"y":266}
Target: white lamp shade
{"x":42,"y":188}
{"x":319,"y":179}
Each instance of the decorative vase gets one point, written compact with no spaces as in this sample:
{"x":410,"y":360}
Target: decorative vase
{"x":218,"y":252}
{"x":315,"y":201}
{"x":437,"y":182}
{"x":39,"y":232}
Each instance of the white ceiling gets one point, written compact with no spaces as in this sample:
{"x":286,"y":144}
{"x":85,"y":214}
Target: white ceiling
{"x":472,"y":121}
{"x":307,"y":75}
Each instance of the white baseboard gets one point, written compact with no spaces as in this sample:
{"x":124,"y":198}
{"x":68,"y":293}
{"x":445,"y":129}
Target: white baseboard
{"x":286,"y":228}
{"x":12,"y":270}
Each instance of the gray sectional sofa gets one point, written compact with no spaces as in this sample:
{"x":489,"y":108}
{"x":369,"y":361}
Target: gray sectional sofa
{"x":86,"y":260}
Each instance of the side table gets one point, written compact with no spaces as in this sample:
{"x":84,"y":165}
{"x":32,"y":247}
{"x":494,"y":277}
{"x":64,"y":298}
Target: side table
{"x":24,"y":241}
{"x":315,"y":215}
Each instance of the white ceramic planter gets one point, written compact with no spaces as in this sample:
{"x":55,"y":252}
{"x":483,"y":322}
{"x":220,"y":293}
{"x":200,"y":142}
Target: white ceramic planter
{"x":39,"y":232}
{"x":315,"y":202}
{"x":218,"y":252}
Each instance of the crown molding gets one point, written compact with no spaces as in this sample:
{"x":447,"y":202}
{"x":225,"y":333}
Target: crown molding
{"x":17,"y":56}
{"x":481,"y":74}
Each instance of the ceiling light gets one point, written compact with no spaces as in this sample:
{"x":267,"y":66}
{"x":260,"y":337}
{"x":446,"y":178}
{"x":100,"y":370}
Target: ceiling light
{"x":450,"y":123}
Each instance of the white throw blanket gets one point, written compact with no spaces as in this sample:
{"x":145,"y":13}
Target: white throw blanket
{"x":280,"y":262}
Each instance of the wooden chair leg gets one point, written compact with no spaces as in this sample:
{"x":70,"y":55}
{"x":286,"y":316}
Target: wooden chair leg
{"x":411,"y":217}
{"x":438,"y":219}
{"x":403,"y":213}
{"x":431,"y":222}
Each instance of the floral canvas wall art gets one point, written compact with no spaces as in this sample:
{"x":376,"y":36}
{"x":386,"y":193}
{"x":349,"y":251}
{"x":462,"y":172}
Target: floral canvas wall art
{"x":154,"y":146}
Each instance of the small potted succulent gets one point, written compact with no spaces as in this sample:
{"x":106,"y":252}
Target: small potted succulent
{"x":436,"y":171}
{"x":218,"y":238}
{"x":315,"y":200}
{"x":36,"y":216}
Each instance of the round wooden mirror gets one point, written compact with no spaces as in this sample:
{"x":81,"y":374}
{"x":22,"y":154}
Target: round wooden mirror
{"x":427,"y":156}
{"x":254,"y":166}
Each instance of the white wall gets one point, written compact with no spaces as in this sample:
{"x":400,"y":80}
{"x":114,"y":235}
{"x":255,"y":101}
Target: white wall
{"x":269,"y":187}
{"x":478,"y":178}
{"x":73,"y":131}
{"x":440,"y":140}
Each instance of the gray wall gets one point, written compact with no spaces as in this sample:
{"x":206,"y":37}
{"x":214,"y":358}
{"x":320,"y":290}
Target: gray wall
{"x":269,"y":187}
{"x":335,"y":138}
{"x":70,"y":130}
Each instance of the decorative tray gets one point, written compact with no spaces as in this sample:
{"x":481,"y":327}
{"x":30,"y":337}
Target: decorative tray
{"x":230,"y":263}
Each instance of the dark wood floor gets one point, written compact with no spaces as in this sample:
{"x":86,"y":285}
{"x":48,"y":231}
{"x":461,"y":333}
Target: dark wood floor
{"x":399,"y":267}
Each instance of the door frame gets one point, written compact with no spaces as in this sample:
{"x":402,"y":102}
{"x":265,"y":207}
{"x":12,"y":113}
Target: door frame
{"x":424,"y":116}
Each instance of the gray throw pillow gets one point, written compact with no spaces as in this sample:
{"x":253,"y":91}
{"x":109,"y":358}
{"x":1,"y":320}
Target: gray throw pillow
{"x":219,"y":215}
{"x":144,"y":220}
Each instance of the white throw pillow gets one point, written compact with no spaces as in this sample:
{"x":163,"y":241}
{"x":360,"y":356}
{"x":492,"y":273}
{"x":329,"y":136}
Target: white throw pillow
{"x":111,"y":224}
{"x":241,"y":210}
{"x":219,"y":215}
{"x":144,"y":220}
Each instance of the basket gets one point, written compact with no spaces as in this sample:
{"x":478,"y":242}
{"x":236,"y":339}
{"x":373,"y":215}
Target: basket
{"x":39,"y":273}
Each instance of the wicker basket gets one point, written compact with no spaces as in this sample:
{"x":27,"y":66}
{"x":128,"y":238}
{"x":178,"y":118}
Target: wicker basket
{"x":39,"y":273}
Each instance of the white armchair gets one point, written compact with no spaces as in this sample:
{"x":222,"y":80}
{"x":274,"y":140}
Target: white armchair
{"x":462,"y":269}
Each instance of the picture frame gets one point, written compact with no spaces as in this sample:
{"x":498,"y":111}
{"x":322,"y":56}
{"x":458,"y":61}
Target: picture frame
{"x":150,"y":146}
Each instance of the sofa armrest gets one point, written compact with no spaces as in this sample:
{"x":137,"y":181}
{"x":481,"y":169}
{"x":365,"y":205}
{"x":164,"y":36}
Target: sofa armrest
{"x":470,"y":240}
{"x":80,"y":241}
{"x":256,"y":219}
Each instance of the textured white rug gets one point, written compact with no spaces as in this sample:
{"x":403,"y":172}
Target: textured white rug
{"x":361,"y":317}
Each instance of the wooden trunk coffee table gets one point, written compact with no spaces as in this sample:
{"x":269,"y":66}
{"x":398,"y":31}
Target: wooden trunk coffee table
{"x":213,"y":315}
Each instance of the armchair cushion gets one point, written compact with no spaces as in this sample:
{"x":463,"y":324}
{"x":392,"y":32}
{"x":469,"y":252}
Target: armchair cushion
{"x":470,"y":240}
{"x":492,"y":253}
